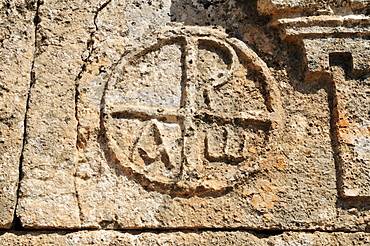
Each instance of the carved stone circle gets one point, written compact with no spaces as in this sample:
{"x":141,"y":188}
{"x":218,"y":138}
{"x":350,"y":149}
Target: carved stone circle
{"x":192,"y":113}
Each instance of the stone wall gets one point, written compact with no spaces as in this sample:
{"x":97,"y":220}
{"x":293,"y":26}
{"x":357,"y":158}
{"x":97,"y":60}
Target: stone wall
{"x":185,"y":122}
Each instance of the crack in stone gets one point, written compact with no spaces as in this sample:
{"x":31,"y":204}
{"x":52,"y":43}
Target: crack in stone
{"x":98,"y":11}
{"x":91,"y":49}
{"x":36,"y":21}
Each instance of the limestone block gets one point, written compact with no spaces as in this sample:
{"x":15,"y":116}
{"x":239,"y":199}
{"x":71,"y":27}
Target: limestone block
{"x":175,"y":120}
{"x":16,"y":55}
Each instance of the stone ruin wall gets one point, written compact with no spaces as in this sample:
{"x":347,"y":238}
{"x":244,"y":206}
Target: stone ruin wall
{"x":185,"y":122}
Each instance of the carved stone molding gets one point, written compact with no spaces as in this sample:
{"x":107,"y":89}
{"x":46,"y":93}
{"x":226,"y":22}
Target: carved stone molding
{"x":336,"y":42}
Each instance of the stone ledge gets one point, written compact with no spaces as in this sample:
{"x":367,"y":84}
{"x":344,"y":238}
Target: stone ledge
{"x":104,"y":237}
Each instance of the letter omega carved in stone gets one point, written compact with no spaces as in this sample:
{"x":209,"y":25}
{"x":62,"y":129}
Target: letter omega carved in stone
{"x":192,"y":113}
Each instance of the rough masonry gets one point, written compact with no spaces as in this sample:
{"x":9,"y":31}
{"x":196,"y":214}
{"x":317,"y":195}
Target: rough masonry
{"x":217,"y":122}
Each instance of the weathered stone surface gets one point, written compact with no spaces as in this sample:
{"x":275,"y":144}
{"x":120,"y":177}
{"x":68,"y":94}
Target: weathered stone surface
{"x":182,"y":238}
{"x":330,"y":42}
{"x":16,"y":53}
{"x":194,"y":114}
{"x":312,"y":7}
{"x":47,"y":193}
{"x":353,"y":132}
{"x":178,"y":128}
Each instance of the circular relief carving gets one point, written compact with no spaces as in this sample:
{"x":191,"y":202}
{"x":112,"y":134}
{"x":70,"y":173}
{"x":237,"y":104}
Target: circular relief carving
{"x":191,"y":114}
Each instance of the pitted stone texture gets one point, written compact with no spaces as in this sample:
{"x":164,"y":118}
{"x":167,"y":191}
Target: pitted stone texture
{"x":47,"y":193}
{"x":136,"y":183}
{"x":339,"y":47}
{"x":112,"y":196}
{"x":321,"y":52}
{"x":324,"y":36}
{"x":325,"y":25}
{"x":155,"y":101}
{"x":353,"y":132}
{"x":16,"y":53}
{"x":312,"y":7}
{"x":295,"y":189}
{"x":183,"y":238}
